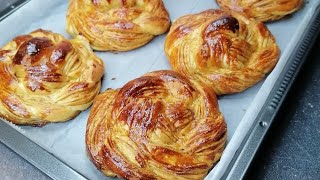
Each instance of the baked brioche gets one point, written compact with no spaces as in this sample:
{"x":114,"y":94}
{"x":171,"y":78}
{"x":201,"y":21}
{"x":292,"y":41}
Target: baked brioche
{"x":158,"y":126}
{"x":117,"y":25}
{"x":262,"y":10}
{"x":227,"y":52}
{"x":47,"y":78}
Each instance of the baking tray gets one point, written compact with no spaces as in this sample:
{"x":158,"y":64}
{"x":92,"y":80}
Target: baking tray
{"x":248,"y":114}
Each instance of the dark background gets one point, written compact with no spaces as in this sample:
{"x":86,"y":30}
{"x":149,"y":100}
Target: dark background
{"x":291,"y":149}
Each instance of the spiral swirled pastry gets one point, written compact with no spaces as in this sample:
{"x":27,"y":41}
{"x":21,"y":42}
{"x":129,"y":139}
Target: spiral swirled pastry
{"x":117,"y":25}
{"x":47,"y":78}
{"x":227,"y":52}
{"x":262,"y":10}
{"x":158,"y":126}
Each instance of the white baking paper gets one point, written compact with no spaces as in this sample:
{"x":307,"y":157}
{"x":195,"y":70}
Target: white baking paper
{"x":66,"y":141}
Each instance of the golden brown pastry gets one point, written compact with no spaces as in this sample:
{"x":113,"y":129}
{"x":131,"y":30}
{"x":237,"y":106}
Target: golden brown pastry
{"x":229,"y":53}
{"x":47,"y":78}
{"x":262,"y":10}
{"x":117,"y":25}
{"x":159,"y":126}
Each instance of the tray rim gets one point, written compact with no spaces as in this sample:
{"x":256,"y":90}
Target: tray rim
{"x":55,"y":168}
{"x":12,"y":8}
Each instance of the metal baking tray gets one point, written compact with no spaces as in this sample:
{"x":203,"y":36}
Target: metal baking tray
{"x":248,"y":114}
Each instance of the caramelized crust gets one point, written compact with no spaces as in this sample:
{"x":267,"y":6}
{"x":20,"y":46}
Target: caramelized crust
{"x":262,"y":10}
{"x":159,"y":126}
{"x":117,"y":25}
{"x":46,"y":78}
{"x":229,"y":53}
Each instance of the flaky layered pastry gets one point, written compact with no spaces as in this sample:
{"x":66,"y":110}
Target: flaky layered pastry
{"x":159,"y":126}
{"x":229,"y":53}
{"x":47,"y":78}
{"x":262,"y":10}
{"x":117,"y":25}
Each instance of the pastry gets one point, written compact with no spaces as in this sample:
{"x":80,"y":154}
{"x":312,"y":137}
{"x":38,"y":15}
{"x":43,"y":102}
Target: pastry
{"x":158,"y":126}
{"x":262,"y":10}
{"x":117,"y":25}
{"x":47,"y":78}
{"x":227,"y":52}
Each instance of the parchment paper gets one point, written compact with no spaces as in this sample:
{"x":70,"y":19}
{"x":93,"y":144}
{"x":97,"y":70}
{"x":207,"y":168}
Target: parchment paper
{"x":67,"y":140}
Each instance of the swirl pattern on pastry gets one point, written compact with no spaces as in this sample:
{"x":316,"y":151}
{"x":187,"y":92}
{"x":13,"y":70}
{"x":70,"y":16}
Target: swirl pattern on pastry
{"x":117,"y":25}
{"x":229,"y":53}
{"x":47,"y":78}
{"x":262,"y":10}
{"x":159,"y":126}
